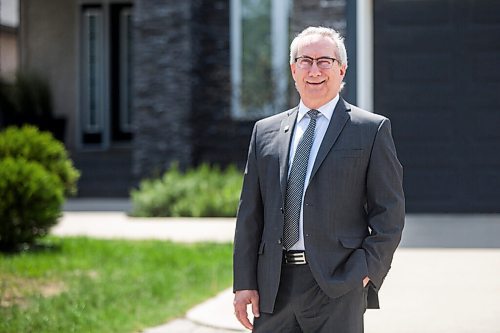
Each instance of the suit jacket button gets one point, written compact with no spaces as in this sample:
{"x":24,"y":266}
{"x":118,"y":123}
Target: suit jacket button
{"x":279,"y":241}
{"x":282,"y":210}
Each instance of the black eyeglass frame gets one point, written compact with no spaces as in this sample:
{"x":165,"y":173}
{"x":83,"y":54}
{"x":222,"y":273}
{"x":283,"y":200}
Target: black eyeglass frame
{"x":316,"y":59}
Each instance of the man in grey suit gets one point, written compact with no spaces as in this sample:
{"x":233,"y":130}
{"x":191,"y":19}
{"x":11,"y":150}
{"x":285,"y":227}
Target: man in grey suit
{"x":322,"y":205}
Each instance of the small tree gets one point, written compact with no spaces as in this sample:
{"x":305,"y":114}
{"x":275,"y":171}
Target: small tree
{"x":31,"y":201}
{"x":29,"y":143}
{"x":35,"y":174}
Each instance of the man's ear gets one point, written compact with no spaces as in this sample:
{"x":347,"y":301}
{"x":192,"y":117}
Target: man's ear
{"x":343,"y":70}
{"x":293,"y":69}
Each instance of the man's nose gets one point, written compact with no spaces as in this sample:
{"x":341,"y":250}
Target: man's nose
{"x":314,"y":71}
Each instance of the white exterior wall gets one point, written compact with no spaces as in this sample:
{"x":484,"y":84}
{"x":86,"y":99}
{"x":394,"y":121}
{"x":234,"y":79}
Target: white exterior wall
{"x":8,"y":54}
{"x":47,"y":39}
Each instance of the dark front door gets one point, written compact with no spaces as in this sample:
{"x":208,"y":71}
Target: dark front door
{"x":437,"y":77}
{"x":121,"y":72}
{"x":106,"y":75}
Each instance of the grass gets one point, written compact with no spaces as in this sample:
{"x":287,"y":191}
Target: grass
{"x":86,"y":285}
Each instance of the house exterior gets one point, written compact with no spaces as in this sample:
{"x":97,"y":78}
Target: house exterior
{"x":9,"y":22}
{"x":146,"y":83}
{"x":8,"y":51}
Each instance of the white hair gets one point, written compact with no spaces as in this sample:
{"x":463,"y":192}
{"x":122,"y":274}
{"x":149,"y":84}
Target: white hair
{"x":340,"y":52}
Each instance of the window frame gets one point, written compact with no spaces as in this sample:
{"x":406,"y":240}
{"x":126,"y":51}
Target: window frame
{"x":93,"y":121}
{"x":280,"y":15}
{"x":126,"y":112}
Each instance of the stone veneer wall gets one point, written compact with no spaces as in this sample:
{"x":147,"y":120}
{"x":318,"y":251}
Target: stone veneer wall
{"x":163,"y":79}
{"x":183,"y":80}
{"x":183,"y":86}
{"x":217,"y":137}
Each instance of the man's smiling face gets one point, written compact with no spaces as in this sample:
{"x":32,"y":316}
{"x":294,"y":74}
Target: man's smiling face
{"x":318,"y":86}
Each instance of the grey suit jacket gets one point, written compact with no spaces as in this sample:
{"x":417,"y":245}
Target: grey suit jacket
{"x":353,"y":206}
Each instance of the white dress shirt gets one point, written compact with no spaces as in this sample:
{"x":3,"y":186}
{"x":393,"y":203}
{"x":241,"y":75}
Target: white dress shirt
{"x":322,"y":122}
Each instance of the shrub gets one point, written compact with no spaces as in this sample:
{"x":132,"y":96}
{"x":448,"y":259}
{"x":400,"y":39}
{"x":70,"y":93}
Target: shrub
{"x":28,"y":100}
{"x":203,"y":191}
{"x":28,"y":96}
{"x":31,"y":144}
{"x":31,"y":201}
{"x":7,"y":104}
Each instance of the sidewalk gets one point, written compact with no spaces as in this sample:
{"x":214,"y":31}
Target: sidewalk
{"x":109,"y":225}
{"x":444,"y":277}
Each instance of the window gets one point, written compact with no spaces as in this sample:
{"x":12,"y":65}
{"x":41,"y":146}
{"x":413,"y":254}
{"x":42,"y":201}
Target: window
{"x":259,"y":57}
{"x":106,"y":108}
{"x":92,"y":70}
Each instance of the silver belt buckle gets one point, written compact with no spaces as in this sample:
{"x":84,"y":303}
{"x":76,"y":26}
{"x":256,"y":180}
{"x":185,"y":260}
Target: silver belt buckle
{"x":298,"y":258}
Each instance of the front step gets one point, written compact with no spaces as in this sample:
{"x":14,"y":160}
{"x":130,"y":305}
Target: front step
{"x":105,"y":173}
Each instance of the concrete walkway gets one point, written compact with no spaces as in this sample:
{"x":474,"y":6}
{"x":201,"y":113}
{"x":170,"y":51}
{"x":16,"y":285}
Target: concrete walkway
{"x":109,"y":225}
{"x":444,"y":277}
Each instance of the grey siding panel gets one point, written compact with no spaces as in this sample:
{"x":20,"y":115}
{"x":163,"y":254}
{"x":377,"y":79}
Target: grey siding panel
{"x":437,"y":76}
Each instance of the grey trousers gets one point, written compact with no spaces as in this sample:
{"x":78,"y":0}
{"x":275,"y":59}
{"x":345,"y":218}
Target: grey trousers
{"x":302,"y":307}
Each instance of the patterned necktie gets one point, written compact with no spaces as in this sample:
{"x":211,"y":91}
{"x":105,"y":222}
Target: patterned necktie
{"x":295,"y":184}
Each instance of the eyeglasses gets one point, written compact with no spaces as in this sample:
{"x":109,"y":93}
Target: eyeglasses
{"x":306,"y":62}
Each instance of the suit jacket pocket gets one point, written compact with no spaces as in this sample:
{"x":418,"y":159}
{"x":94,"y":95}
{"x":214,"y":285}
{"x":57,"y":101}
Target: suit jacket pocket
{"x":351,"y":242}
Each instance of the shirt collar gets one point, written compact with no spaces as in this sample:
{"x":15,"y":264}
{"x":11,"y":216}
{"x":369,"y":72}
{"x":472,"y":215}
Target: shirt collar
{"x":326,"y":109}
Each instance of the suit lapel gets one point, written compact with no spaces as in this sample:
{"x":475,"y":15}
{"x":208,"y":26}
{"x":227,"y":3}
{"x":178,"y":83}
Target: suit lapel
{"x":284,"y":137}
{"x":335,"y":127}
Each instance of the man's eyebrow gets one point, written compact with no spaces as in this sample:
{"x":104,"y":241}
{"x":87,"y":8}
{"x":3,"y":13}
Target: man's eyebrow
{"x":309,"y":57}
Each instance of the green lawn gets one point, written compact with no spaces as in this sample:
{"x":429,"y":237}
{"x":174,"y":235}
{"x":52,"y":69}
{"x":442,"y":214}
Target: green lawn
{"x":86,"y":285}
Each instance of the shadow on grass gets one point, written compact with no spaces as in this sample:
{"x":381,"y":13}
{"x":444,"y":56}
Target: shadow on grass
{"x":41,"y":246}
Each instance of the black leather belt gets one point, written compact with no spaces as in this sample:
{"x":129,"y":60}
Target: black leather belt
{"x":294,"y":257}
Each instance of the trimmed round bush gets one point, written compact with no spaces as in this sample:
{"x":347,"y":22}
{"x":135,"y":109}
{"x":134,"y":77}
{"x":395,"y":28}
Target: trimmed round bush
{"x":31,"y":201}
{"x":29,"y":143}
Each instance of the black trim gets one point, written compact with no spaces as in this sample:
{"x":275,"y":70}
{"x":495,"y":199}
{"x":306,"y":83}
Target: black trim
{"x":351,"y":93}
